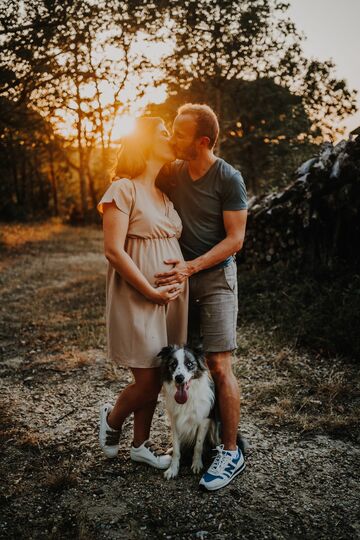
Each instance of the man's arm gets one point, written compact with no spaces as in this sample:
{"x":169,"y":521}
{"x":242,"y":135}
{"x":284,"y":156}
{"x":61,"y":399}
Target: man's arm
{"x":235,"y":225}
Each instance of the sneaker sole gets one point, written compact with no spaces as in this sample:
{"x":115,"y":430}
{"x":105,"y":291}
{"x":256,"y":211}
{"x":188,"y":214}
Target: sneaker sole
{"x":113,"y":450}
{"x":144,"y":460}
{"x":110,"y":455}
{"x":226,"y":483}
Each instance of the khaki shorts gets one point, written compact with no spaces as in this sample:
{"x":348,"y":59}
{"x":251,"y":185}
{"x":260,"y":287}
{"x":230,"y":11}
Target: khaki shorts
{"x":213,"y":308}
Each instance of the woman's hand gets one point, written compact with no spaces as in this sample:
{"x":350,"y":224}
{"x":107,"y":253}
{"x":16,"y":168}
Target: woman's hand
{"x":164,"y":295}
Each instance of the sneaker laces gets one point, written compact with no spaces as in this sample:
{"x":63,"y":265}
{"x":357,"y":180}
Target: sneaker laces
{"x":221,"y":460}
{"x":112,"y":437}
{"x":154,"y":448}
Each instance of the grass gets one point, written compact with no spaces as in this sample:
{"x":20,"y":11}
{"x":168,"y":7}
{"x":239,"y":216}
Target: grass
{"x":16,"y":235}
{"x":320,"y":311}
{"x":60,"y":478}
{"x":17,"y":433}
{"x":288,"y":387}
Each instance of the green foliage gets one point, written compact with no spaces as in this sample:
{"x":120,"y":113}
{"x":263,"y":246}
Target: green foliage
{"x":321,"y":312}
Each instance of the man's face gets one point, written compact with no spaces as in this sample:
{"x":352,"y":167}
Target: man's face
{"x":184,"y":137}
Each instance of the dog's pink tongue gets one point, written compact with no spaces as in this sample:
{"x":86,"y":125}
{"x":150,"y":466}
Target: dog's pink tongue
{"x":181,"y":395}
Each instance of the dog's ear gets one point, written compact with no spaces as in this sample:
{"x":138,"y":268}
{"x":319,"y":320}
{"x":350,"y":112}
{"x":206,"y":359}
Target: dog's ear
{"x":201,"y":361}
{"x":165,"y":355}
{"x":166,"y":352}
{"x":199,"y":354}
{"x":198,"y":350}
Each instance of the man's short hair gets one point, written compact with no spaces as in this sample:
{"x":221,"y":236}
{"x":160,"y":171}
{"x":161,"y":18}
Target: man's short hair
{"x":207,"y":124}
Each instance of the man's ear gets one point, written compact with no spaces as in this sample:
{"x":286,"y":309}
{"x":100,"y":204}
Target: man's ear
{"x":205,"y":141}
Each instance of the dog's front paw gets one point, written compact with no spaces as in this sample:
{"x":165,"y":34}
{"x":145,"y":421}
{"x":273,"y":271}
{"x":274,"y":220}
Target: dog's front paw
{"x":171,"y":472}
{"x":197,"y":466}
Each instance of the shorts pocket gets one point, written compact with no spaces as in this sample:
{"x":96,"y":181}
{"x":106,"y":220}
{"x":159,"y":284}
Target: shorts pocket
{"x":230,"y":274}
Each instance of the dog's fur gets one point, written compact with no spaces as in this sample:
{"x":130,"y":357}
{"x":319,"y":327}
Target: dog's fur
{"x":196,"y":419}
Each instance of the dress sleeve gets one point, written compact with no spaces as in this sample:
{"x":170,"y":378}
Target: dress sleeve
{"x":121,"y":192}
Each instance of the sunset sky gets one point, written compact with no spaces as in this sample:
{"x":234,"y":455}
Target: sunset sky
{"x":332,"y":31}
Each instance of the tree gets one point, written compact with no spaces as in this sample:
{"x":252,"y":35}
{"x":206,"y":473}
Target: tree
{"x":266,"y":132}
{"x":30,"y":161}
{"x":245,"y":60}
{"x":62,"y":57}
{"x":221,"y":41}
{"x":56,"y":59}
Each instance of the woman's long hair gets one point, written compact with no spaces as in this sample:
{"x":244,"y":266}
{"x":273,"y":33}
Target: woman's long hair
{"x":135,"y":148}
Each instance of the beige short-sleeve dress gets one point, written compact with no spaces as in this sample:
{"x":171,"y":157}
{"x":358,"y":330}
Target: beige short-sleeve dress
{"x":136,"y":328}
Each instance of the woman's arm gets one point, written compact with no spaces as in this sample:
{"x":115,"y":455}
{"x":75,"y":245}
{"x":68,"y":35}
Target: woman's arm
{"x":115,"y":227}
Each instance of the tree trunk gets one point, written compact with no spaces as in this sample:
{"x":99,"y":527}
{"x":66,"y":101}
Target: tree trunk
{"x":90,"y":178}
{"x":40,"y":180}
{"x":53,"y":179}
{"x":14,"y":169}
{"x":79,"y":128}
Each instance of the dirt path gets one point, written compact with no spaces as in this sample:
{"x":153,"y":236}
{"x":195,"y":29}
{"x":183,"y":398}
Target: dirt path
{"x":299,"y":414}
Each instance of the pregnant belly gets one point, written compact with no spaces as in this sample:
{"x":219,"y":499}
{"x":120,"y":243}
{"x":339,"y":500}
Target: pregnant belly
{"x":149,"y":255}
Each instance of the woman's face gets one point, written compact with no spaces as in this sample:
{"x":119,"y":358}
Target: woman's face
{"x":163,"y":150}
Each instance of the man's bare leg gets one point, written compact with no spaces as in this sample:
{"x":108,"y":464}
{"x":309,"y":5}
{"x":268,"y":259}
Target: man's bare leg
{"x":228,"y":395}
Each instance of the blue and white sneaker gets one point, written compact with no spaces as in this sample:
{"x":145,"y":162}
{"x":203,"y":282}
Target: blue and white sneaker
{"x":224,"y":468}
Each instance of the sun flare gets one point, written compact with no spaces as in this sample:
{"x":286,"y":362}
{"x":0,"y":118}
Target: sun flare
{"x":139,"y":90}
{"x":124,"y":126}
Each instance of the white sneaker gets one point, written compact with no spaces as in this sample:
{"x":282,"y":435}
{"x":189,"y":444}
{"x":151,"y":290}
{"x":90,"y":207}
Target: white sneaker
{"x":108,"y":437}
{"x":149,"y":453}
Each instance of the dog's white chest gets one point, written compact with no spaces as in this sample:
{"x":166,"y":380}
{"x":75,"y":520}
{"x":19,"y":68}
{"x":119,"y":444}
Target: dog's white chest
{"x":188,"y":416}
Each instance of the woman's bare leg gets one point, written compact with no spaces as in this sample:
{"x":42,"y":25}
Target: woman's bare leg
{"x":142,"y":423}
{"x":140,"y":397}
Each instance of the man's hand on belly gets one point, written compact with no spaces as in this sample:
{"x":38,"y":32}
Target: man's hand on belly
{"x":181,"y":271}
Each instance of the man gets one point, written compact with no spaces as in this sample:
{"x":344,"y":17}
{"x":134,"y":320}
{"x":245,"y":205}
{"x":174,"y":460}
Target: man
{"x":210,"y":197}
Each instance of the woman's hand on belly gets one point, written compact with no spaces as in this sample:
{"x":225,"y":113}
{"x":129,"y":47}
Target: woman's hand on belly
{"x":165,"y":294}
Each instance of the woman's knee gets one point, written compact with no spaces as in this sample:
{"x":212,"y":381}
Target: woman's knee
{"x":153,"y":393}
{"x":148,"y":383}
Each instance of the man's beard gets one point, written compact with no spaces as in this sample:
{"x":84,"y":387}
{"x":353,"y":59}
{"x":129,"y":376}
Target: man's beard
{"x":187,"y":154}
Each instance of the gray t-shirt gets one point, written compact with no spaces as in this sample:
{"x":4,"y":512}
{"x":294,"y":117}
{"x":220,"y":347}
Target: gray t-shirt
{"x":200,"y":203}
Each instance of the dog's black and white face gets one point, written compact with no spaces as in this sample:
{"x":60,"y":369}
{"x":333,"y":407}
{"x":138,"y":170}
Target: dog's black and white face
{"x":180,"y":365}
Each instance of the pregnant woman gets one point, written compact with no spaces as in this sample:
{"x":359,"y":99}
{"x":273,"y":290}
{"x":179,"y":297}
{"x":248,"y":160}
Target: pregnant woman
{"x":141,"y":231}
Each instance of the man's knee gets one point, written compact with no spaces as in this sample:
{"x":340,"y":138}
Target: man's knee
{"x":219,"y":365}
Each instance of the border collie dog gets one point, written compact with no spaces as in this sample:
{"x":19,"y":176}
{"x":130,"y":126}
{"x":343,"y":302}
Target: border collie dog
{"x":189,"y":395}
